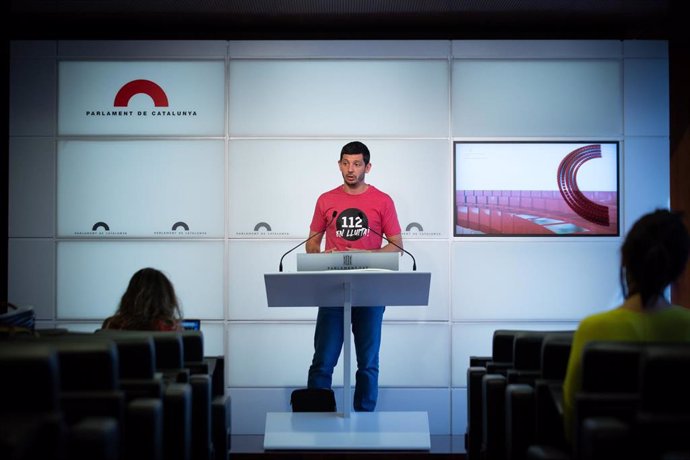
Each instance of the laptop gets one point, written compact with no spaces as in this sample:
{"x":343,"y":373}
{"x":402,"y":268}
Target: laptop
{"x":191,"y":324}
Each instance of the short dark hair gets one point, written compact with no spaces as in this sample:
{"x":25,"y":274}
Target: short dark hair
{"x":355,"y":148}
{"x":654,"y":254}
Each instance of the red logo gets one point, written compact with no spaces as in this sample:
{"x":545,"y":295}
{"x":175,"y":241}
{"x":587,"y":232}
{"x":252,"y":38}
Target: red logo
{"x":134,"y":87}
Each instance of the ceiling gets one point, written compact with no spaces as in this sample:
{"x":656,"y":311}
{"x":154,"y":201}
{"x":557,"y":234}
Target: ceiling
{"x":341,"y":19}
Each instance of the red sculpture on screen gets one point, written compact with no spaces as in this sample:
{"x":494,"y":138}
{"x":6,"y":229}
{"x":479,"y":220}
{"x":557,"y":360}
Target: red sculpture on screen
{"x":567,"y":184}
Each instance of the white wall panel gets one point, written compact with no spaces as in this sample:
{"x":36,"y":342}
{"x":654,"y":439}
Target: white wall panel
{"x":194,"y":98}
{"x":31,"y":187}
{"x":31,"y":274}
{"x":532,"y":280}
{"x":214,"y":338}
{"x":339,"y":97}
{"x":279,"y":354}
{"x":248,"y":261}
{"x":537,"y":98}
{"x":474,"y":339}
{"x":271,"y":355}
{"x":188,"y":49}
{"x":419,"y":346}
{"x":539,"y":49}
{"x":431,"y":256}
{"x":458,"y":398}
{"x":646,"y":173}
{"x":416,"y":173}
{"x":141,"y":188}
{"x":277,"y":183}
{"x":92,"y":276}
{"x":343,"y":49}
{"x":646,"y":97}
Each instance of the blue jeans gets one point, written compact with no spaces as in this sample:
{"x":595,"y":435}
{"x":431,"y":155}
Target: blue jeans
{"x":328,"y":340}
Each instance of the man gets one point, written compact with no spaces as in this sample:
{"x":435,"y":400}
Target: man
{"x":345,"y":215}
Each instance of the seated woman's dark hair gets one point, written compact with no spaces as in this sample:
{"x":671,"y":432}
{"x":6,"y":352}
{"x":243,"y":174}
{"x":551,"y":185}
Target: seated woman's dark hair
{"x":654,"y":255}
{"x":149,"y":302}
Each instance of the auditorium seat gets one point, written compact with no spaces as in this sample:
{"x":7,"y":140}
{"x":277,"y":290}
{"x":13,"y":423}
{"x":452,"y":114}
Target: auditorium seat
{"x":663,"y":418}
{"x":179,"y":358}
{"x":607,"y":401}
{"x":499,"y":361}
{"x":30,"y":406}
{"x":540,"y":360}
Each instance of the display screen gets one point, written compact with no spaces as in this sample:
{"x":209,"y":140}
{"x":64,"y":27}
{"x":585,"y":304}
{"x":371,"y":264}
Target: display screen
{"x":191,"y":324}
{"x":536,"y":188}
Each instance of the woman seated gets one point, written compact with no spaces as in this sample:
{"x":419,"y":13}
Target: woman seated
{"x":653,"y":256}
{"x":148,"y":304}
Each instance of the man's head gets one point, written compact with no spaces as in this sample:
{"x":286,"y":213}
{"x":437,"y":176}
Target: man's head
{"x":355,"y":147}
{"x":354,"y":165}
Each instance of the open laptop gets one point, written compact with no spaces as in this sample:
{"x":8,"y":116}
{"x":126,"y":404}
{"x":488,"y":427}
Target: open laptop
{"x":191,"y":324}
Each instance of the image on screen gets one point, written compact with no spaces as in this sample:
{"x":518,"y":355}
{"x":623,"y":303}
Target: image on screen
{"x":536,"y":188}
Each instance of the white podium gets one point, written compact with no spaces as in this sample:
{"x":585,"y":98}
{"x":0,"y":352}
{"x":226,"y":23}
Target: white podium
{"x":347,"y":430}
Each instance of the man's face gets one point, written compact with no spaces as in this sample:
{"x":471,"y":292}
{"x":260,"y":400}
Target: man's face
{"x":353,"y":169}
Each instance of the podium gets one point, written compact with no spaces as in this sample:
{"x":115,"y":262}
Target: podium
{"x":347,"y":430}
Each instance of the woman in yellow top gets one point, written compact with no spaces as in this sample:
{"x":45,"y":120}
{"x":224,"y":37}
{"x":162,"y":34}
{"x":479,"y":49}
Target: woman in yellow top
{"x":653,"y":256}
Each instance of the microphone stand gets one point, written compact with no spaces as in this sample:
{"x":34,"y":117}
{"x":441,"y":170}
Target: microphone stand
{"x":280,"y":266}
{"x":414,"y":262}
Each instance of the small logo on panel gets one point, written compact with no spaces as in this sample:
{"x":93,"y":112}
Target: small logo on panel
{"x":100,"y":228}
{"x":179,"y":228}
{"x":262,"y":229}
{"x":134,"y":87}
{"x":101,"y":225}
{"x":416,"y":229}
{"x":149,"y":88}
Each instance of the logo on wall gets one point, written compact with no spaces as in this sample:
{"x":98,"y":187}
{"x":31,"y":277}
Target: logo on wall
{"x":100,"y":228}
{"x":149,"y":88}
{"x":416,"y":229}
{"x":179,"y":228}
{"x":262,"y":229}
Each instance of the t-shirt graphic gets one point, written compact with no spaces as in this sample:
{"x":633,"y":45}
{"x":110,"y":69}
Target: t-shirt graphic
{"x":351,"y":225}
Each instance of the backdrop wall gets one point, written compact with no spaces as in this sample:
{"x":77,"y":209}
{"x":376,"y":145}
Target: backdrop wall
{"x":204,"y":159}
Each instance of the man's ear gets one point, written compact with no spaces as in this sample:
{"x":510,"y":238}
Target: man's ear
{"x":368,"y":168}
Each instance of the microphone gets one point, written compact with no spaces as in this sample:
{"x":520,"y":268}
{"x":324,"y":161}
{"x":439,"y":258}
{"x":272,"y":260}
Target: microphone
{"x":414,"y":262}
{"x":280,"y":266}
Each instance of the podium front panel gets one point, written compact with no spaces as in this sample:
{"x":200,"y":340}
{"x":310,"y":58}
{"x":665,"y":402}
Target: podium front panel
{"x":327,"y":288}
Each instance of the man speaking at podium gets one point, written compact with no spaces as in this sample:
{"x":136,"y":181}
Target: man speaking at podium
{"x":345,"y":215}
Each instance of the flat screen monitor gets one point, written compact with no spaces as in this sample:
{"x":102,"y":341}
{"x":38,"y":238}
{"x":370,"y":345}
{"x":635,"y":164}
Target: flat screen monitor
{"x":536,"y":188}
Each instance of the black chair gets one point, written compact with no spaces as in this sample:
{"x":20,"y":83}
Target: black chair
{"x":29,"y":409}
{"x":541,"y":359}
{"x":508,"y":412}
{"x":500,"y":360}
{"x":662,"y":422}
{"x":605,"y":405}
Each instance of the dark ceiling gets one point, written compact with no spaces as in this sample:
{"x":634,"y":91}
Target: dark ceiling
{"x":341,"y":19}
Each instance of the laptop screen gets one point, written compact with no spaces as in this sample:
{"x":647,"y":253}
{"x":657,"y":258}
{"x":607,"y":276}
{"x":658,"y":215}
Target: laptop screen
{"x":191,"y":324}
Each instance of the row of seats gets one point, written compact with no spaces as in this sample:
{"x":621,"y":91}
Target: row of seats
{"x":500,"y":417}
{"x":112,"y":395}
{"x":634,"y":402}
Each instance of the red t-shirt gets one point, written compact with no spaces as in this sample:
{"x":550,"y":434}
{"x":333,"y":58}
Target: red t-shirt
{"x":354,"y":215}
